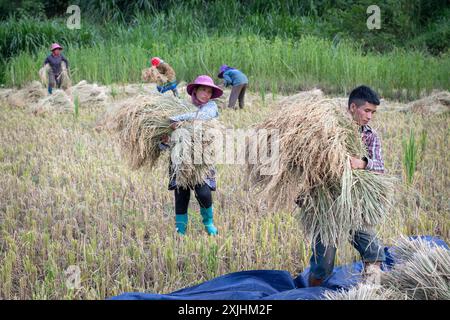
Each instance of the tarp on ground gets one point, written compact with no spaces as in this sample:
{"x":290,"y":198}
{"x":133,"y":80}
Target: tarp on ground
{"x":270,"y":284}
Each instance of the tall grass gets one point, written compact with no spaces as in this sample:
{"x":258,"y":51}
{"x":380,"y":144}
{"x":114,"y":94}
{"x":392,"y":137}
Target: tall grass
{"x":413,"y":153}
{"x":287,"y":64}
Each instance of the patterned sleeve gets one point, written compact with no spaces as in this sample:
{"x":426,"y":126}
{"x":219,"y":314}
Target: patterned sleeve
{"x":375,"y":159}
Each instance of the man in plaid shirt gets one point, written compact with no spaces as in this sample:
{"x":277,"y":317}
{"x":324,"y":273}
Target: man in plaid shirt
{"x":362,"y":105}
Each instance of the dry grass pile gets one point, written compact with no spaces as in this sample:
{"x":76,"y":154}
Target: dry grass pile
{"x":57,"y":102}
{"x":26,"y":96}
{"x":314,"y":94}
{"x":316,"y":139}
{"x":152,"y":75}
{"x":361,"y":291}
{"x":141,"y":123}
{"x":90,"y":95}
{"x":422,"y":271}
{"x":4,"y":94}
{"x":437,"y":102}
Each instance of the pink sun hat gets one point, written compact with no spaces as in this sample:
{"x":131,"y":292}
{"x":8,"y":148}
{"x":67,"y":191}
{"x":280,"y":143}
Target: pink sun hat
{"x":55,"y":46}
{"x":204,"y":81}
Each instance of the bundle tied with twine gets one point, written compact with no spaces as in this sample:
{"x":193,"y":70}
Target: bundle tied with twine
{"x":316,"y":138}
{"x":141,"y":123}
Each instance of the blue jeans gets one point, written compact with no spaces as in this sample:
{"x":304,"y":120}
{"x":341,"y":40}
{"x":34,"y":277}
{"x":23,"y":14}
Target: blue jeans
{"x":322,"y":259}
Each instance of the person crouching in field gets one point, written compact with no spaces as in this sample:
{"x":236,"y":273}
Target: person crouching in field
{"x":165,"y":69}
{"x":55,"y":71}
{"x":362,"y":105}
{"x":202,"y":90}
{"x":238,"y":80}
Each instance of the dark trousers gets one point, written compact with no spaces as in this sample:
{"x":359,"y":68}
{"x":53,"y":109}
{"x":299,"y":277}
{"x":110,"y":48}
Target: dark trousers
{"x":183,"y":195}
{"x":365,"y":242}
{"x":237,"y":92}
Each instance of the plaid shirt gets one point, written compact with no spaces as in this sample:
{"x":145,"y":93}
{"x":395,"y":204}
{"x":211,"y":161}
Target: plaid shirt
{"x":373,"y":144}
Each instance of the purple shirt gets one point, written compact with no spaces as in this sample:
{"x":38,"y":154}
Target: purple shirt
{"x":55,"y":63}
{"x":373,"y":144}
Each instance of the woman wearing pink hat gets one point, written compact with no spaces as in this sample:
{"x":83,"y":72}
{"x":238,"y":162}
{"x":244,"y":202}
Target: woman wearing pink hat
{"x":55,"y":59}
{"x":202,"y":90}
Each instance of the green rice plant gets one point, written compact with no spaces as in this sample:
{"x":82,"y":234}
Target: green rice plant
{"x":410,"y":157}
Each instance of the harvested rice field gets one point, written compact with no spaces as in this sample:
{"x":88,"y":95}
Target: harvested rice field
{"x":69,"y":200}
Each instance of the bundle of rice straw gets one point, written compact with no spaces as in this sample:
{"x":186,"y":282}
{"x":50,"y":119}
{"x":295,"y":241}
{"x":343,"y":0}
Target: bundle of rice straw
{"x":152,"y":75}
{"x":28,"y":95}
{"x":422,"y":271}
{"x":362,"y":291}
{"x":57,"y":102}
{"x":90,"y":95}
{"x":316,"y":139}
{"x":140,"y":124}
{"x":66,"y":83}
{"x":4,"y":94}
{"x":437,"y":102}
{"x":43,"y":74}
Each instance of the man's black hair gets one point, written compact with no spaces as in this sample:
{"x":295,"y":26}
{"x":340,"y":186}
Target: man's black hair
{"x":362,"y":94}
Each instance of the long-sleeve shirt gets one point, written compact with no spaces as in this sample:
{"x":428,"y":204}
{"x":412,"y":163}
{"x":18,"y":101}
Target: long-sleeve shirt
{"x":373,"y":144}
{"x":206,"y":111}
{"x":234,"y":77}
{"x":55,"y":63}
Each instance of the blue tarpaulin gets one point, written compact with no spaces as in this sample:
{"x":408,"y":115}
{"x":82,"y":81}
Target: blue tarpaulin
{"x":270,"y":284}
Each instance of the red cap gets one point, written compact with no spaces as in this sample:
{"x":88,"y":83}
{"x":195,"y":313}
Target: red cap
{"x":156,"y":61}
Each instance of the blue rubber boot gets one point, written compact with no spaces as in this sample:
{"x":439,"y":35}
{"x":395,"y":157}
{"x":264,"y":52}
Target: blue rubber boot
{"x":181,"y":221}
{"x":207,"y":215}
{"x":49,"y":89}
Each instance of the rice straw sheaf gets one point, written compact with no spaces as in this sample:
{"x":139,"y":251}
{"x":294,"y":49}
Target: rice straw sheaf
{"x":141,"y":123}
{"x":58,"y":102}
{"x":194,"y":155}
{"x":43,"y":74}
{"x":152,"y":75}
{"x":316,"y":140}
{"x":361,"y":291}
{"x":422,"y":271}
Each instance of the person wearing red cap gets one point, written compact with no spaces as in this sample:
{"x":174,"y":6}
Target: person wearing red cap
{"x":55,"y":60}
{"x":165,"y":69}
{"x":202,"y":91}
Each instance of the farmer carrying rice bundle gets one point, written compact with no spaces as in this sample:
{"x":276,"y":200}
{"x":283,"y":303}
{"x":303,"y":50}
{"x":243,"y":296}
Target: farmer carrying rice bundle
{"x":238,"y":80}
{"x":56,"y":68}
{"x":145,"y":125}
{"x":202,"y":91}
{"x":362,"y":105}
{"x":330,"y":164}
{"x":167,"y":71}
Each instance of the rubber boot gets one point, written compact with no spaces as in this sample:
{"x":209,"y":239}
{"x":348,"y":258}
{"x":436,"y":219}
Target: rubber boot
{"x":207,"y":215}
{"x":181,"y":221}
{"x":49,"y":89}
